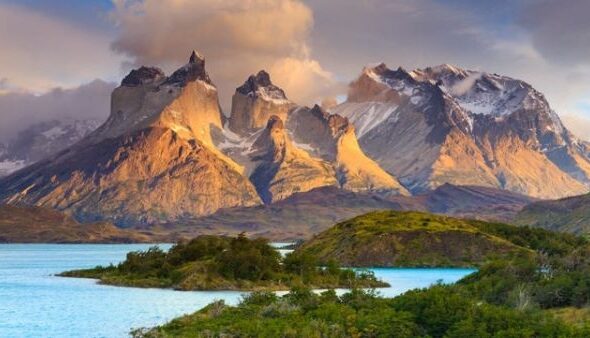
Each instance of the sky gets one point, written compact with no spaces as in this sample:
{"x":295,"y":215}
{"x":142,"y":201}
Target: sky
{"x":58,"y":54}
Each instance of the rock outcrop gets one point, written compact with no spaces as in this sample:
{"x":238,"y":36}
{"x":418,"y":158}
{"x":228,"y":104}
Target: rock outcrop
{"x":283,"y":169}
{"x":332,"y":137}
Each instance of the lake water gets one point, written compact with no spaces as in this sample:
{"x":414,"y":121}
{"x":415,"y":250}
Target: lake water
{"x":35,"y":303}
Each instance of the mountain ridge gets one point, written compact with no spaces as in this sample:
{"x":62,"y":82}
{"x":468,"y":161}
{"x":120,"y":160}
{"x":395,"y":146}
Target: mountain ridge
{"x":496,"y":131}
{"x":167,"y":153}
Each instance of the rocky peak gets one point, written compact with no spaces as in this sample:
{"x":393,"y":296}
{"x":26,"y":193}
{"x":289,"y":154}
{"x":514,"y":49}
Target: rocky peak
{"x":382,"y":73}
{"x":255,"y":102}
{"x":332,"y":138}
{"x":335,"y":123}
{"x":196,"y":57}
{"x":260,"y":85}
{"x":272,"y":143}
{"x":142,"y":75}
{"x":194,"y":70}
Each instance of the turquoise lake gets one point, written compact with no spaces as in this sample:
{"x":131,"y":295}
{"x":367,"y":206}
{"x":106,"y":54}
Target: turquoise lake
{"x":36,"y":303}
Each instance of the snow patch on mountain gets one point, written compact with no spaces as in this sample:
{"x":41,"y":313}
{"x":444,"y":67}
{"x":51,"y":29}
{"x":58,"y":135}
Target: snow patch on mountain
{"x":42,"y":140}
{"x":54,"y":132}
{"x":365,"y":115}
{"x":9,"y":166}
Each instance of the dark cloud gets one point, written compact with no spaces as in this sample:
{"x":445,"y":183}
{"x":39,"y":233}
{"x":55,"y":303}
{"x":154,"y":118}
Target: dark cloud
{"x":20,"y":110}
{"x":350,"y":34}
{"x":560,"y":29}
{"x":310,"y":47}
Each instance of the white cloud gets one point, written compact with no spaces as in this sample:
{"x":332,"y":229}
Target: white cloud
{"x":463,"y":86}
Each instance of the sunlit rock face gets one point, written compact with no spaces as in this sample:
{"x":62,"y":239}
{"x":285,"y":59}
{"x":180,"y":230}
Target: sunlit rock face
{"x":448,"y":125}
{"x":332,"y":137}
{"x":167,"y":153}
{"x":306,"y":143}
{"x":283,"y":169}
{"x":152,"y":161}
{"x":255,"y":102}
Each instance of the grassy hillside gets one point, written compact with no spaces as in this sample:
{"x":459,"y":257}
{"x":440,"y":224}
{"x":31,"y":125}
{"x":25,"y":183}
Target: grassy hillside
{"x":570,"y":214}
{"x":223,"y":263}
{"x":30,"y":224}
{"x":392,"y":238}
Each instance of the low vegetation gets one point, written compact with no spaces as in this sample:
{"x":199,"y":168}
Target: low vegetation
{"x":223,"y":263}
{"x":540,"y":290}
{"x":440,"y":311}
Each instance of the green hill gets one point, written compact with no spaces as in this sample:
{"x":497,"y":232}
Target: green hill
{"x":412,"y":239}
{"x":570,"y":214}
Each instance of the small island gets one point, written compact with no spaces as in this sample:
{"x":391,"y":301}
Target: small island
{"x":224,"y":263}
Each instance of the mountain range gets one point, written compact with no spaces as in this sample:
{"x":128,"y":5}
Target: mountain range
{"x":41,"y":140}
{"x":448,"y":125}
{"x":167,"y":154}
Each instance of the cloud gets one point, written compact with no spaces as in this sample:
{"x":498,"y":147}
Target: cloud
{"x":305,"y":79}
{"x":559,"y":29}
{"x":19,"y":110}
{"x":41,"y":52}
{"x":236,"y":37}
{"x":463,"y":86}
{"x":507,"y":40}
{"x":412,"y":33}
{"x":579,"y":126}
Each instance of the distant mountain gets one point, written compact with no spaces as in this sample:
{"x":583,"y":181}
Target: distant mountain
{"x":297,"y":148}
{"x":304,"y":214}
{"x":474,"y":202}
{"x":283,"y":169}
{"x":449,"y":125}
{"x":42,"y":140}
{"x":571,"y":214}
